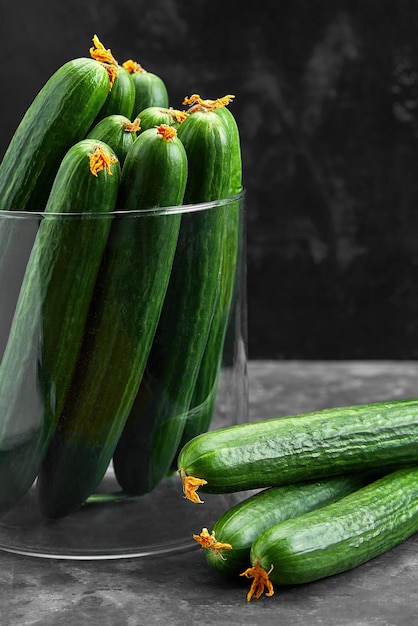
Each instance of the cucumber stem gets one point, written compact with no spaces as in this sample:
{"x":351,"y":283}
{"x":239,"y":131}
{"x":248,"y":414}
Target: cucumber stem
{"x":260,"y":582}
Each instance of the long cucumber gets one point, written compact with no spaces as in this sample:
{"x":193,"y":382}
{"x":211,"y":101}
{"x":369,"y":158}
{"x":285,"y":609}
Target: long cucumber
{"x":205,"y":393}
{"x":152,"y":433}
{"x":240,"y":525}
{"x":59,"y":116}
{"x":292,"y":449}
{"x":49,"y":321}
{"x":337,"y":537}
{"x":126,"y":307}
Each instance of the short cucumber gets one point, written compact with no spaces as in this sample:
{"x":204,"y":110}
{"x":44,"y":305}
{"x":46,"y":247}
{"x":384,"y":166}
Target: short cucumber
{"x":150,"y":89}
{"x":340,"y":535}
{"x":155,"y":115}
{"x":125,"y":310}
{"x":118,"y":132}
{"x":51,"y":312}
{"x":152,"y":433}
{"x":240,"y":525}
{"x":292,"y":449}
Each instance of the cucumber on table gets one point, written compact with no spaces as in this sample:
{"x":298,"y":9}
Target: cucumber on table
{"x":155,"y":425}
{"x":125,"y":309}
{"x":49,"y":321}
{"x":291,"y":449}
{"x":338,"y":536}
{"x":240,"y":525}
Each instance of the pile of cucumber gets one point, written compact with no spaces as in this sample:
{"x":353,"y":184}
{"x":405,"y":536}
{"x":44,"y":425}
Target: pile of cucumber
{"x":116,"y":326}
{"x":337,"y":487}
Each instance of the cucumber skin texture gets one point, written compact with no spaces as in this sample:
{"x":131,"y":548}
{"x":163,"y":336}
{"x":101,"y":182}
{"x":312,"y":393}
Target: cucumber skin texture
{"x":155,"y":115}
{"x":344,"y":534}
{"x":60,"y":116}
{"x":291,"y":449}
{"x":150,"y":90}
{"x":151,"y":437}
{"x":43,"y":346}
{"x":120,"y":99}
{"x":121,"y":326}
{"x":111,"y":130}
{"x":205,"y":393}
{"x":244,"y":522}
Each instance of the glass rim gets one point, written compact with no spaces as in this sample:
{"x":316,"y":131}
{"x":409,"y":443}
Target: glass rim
{"x":166,"y":210}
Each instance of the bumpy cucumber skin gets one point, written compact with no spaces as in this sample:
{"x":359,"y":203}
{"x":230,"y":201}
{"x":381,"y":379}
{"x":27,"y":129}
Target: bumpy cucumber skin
{"x":50,"y":316}
{"x":295,"y":448}
{"x":120,"y":99}
{"x":59,"y":117}
{"x":150,"y":90}
{"x":152,"y":433}
{"x":112,"y":130}
{"x":204,"y":397}
{"x":341,"y":535}
{"x":244,"y":522}
{"x":155,"y":115}
{"x":126,"y":307}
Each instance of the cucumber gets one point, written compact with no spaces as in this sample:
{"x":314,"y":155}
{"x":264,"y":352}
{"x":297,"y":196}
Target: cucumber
{"x":204,"y":397}
{"x":118,"y":132}
{"x":152,"y":433}
{"x":49,"y":321}
{"x":121,"y":98}
{"x":59,"y":116}
{"x":240,"y":525}
{"x":155,"y":115}
{"x":340,"y":535}
{"x":125,"y":310}
{"x":150,"y":89}
{"x":292,"y":449}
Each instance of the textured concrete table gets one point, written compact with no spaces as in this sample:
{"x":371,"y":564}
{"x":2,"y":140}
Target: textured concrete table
{"x":180,"y":589}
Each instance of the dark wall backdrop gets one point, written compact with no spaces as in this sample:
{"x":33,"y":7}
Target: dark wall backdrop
{"x":326,"y":100}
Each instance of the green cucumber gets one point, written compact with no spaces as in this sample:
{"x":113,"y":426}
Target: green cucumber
{"x":121,"y":98}
{"x":292,"y":449}
{"x":118,"y":132}
{"x":60,"y":115}
{"x":240,"y":525}
{"x":340,"y":535}
{"x":152,"y":433}
{"x":156,"y":115}
{"x":204,"y":397}
{"x":125,"y":310}
{"x":49,"y":321}
{"x":150,"y":89}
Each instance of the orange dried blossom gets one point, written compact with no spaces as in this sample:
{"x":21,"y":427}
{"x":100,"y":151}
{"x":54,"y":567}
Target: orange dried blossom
{"x":261,"y":581}
{"x":190,"y":486}
{"x":101,"y":159}
{"x":208,"y":541}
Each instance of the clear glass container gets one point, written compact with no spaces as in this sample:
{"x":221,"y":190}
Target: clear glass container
{"x":99,"y":321}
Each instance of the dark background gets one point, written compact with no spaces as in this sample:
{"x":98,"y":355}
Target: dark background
{"x":326,"y":101}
